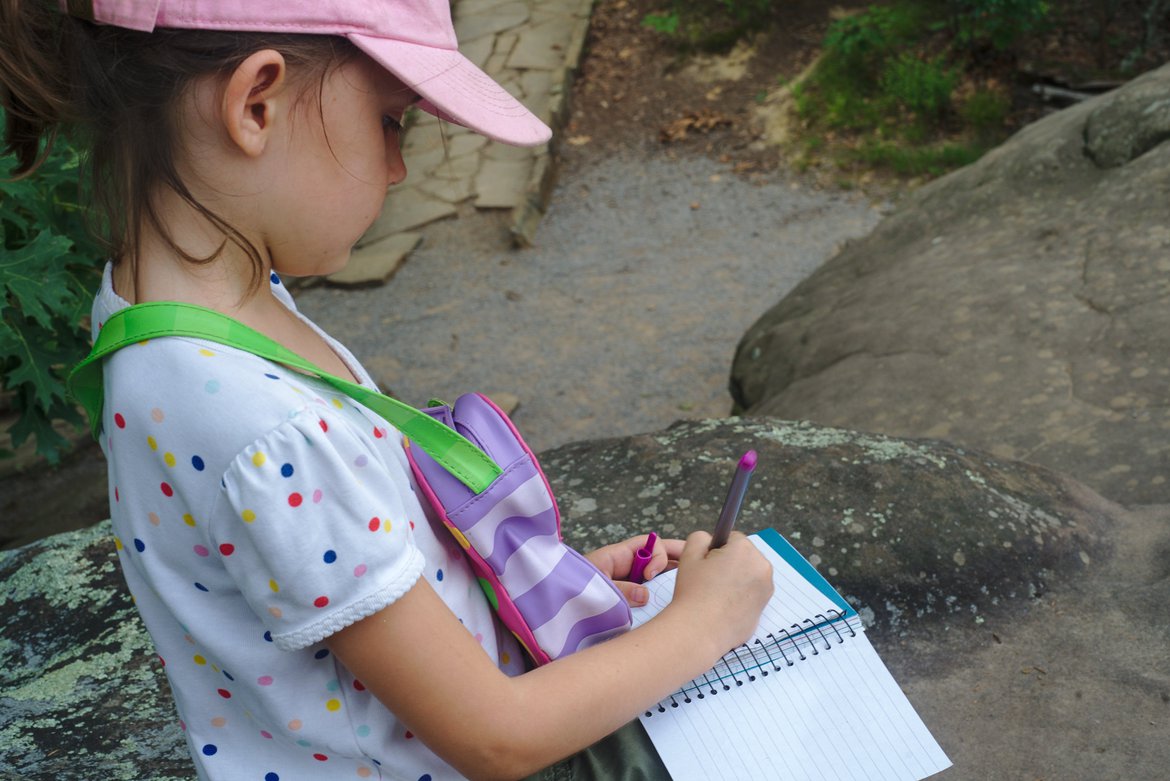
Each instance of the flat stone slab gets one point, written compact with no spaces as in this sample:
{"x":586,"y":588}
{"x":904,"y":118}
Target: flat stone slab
{"x":374,"y":264}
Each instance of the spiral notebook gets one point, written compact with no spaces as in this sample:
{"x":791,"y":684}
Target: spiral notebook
{"x":806,"y":698}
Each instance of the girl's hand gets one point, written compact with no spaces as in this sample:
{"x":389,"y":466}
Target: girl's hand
{"x":727,"y":587}
{"x":617,"y":559}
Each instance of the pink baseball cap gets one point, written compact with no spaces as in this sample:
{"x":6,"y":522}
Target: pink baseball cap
{"x":413,"y":39}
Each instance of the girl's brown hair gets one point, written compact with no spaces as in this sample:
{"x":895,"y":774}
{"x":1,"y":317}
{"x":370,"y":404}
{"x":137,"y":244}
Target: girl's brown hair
{"x":116,"y":92}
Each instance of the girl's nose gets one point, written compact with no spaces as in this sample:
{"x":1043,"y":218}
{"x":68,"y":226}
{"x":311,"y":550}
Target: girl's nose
{"x":395,"y":165}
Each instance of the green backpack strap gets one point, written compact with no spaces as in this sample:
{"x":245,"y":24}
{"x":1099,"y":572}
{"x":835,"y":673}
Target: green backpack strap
{"x":142,"y":322}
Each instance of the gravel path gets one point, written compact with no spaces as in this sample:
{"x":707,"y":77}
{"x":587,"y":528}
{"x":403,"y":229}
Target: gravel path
{"x":625,"y":316}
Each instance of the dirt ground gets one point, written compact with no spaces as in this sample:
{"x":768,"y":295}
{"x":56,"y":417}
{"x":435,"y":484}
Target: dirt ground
{"x":629,"y":99}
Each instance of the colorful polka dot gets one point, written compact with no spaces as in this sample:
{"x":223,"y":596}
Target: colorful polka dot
{"x":264,"y":680}
{"x":205,"y":352}
{"x":320,"y":757}
{"x":286,"y":470}
{"x":210,"y":749}
{"x":318,"y":495}
{"x":425,"y":777}
{"x":153,"y":518}
{"x":227,"y":549}
{"x":360,"y":461}
{"x":270,"y":776}
{"x":258,"y":459}
{"x":169,"y":459}
{"x":439,"y":576}
{"x":336,"y":402}
{"x":167,"y":490}
{"x":275,"y":612}
{"x":201,"y":587}
{"x":227,"y":695}
{"x":152,"y":443}
{"x":361,"y":687}
{"x":119,"y":421}
{"x":139,"y":545}
{"x":377,"y":433}
{"x":321,"y":602}
{"x":157,"y":415}
{"x":211,"y":386}
{"x":295,"y":499}
{"x":359,"y":570}
{"x":273,"y":278}
{"x":188,"y":519}
{"x":295,"y":724}
{"x":272,"y":584}
{"x":117,"y":544}
{"x":201,"y":550}
{"x":267,"y":636}
{"x":330,"y":556}
{"x":321,"y":654}
{"x":218,"y":721}
{"x":333,"y":705}
{"x":324,"y":426}
{"x":271,"y":376}
{"x":333,"y":685}
{"x":374,"y":524}
{"x":364,"y":772}
{"x":267,"y":736}
{"x":197,"y":462}
{"x":248,"y":516}
{"x":199,"y":660}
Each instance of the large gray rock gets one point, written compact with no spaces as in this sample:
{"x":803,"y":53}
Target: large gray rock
{"x":905,"y":530}
{"x":1034,"y":653}
{"x":1020,"y":305}
{"x":82,"y":695}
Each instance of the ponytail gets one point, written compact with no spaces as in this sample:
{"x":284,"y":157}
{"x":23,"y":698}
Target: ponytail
{"x":35,"y":83}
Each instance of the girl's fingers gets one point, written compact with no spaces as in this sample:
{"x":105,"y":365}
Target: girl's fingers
{"x":666,"y":553}
{"x":635,"y":594}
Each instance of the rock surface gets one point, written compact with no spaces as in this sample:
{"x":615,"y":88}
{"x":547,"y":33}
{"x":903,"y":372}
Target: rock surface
{"x":1049,"y":661}
{"x":905,"y":530}
{"x":1020,"y":305}
{"x":82,"y":695}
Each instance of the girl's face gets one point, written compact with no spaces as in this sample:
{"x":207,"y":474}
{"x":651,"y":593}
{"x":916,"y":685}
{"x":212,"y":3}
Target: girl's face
{"x":338,"y":163}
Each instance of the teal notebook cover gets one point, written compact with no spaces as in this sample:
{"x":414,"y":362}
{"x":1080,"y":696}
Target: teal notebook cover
{"x":799,"y":563}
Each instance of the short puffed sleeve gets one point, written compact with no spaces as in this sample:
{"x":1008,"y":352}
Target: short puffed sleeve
{"x":314,"y":527}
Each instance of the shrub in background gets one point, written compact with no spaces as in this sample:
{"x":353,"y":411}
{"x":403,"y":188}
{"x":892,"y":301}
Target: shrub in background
{"x":49,"y":270}
{"x":710,"y":24}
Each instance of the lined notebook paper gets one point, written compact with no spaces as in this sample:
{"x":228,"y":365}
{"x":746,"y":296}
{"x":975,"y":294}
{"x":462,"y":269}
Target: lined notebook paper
{"x":806,"y":698}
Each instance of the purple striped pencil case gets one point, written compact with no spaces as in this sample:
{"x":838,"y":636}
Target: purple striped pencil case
{"x":548,"y":595}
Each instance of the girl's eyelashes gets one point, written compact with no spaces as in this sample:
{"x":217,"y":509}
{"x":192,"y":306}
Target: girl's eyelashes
{"x":390,"y":123}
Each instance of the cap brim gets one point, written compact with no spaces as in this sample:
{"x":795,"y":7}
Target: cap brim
{"x":455,"y":89}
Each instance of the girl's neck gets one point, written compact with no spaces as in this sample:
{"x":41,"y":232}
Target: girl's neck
{"x":159,"y":272}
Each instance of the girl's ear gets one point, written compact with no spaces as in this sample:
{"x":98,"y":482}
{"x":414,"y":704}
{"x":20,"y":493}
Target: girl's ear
{"x":253,"y":99}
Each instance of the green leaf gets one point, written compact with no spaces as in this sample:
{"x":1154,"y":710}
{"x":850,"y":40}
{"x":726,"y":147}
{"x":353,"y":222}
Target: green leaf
{"x":33,"y":278}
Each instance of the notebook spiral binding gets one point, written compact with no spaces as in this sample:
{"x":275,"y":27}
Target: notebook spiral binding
{"x":759,"y":657}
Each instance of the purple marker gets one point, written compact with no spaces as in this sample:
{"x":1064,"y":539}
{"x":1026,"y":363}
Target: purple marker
{"x":739,"y":484}
{"x":642,"y":558}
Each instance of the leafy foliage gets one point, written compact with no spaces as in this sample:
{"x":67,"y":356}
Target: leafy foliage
{"x":49,"y":270}
{"x":997,"y":22}
{"x":893,"y":87}
{"x":709,"y":24}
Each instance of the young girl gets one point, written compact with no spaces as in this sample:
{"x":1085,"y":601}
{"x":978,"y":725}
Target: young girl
{"x":313,"y":621}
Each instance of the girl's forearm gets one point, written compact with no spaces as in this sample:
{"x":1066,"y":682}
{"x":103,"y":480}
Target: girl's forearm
{"x":565,"y":706}
{"x":438,"y":681}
